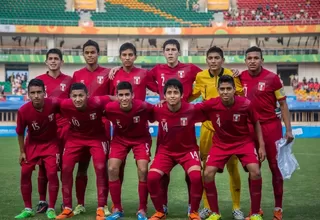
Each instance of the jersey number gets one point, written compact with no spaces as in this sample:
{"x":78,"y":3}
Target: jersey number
{"x":75,"y":122}
{"x":35,"y":126}
{"x":119,"y":125}
{"x":218,"y":122}
{"x":194,"y":155}
{"x":162,"y":80}
{"x":164,"y":126}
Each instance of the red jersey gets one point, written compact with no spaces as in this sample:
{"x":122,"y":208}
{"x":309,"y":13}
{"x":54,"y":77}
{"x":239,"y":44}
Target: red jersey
{"x":230,"y":123}
{"x":263,"y":90}
{"x":177,"y":129}
{"x":57,"y":88}
{"x":185,"y":72}
{"x":42,"y":126}
{"x":85,"y":124}
{"x":131,"y":126}
{"x":97,"y":82}
{"x":140,"y":80}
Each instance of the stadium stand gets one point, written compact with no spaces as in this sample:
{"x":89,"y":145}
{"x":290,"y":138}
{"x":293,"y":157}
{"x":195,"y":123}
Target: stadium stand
{"x":37,"y":12}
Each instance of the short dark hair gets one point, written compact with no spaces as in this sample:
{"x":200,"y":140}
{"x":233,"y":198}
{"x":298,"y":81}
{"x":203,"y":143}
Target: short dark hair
{"x":79,"y":86}
{"x":124,"y":85}
{"x":54,"y":51}
{"x":91,"y":43}
{"x":226,"y":79}
{"x":215,"y":49}
{"x":36,"y":82}
{"x":254,"y":49}
{"x":173,"y":42}
{"x":173,"y":83}
{"x":127,"y":46}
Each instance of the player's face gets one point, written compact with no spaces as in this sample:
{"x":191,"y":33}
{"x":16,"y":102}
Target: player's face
{"x":91,"y":55}
{"x":127,"y":58}
{"x":254,"y":61}
{"x":214,"y":61}
{"x":171,"y":53}
{"x":125,"y":99}
{"x":79,"y":98}
{"x":173,"y":96}
{"x":54,"y":62}
{"x":36,"y":94}
{"x":226,"y":91}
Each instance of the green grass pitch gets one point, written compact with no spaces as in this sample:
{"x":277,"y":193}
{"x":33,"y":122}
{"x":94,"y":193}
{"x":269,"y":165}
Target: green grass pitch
{"x":301,"y":193}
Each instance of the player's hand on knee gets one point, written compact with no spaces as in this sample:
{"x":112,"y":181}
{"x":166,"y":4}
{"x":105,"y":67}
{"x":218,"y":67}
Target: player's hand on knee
{"x":22,"y":158}
{"x":289,"y":137}
{"x":113,"y":72}
{"x":236,"y":72}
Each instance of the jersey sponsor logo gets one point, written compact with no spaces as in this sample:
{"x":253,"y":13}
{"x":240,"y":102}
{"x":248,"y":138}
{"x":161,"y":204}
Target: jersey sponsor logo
{"x":136,"y":80}
{"x":63,"y":87}
{"x":136,"y":119}
{"x":236,"y":117}
{"x":181,"y":74}
{"x":51,"y":117}
{"x":100,"y":79}
{"x":261,"y":86}
{"x":93,"y":116}
{"x":184,"y":121}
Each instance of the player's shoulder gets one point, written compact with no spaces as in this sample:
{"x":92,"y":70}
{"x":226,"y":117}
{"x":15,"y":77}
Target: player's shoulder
{"x":227,"y":71}
{"x":203,"y":73}
{"x":66,"y":102}
{"x":242,"y":101}
{"x":42,"y":76}
{"x":140,"y":70}
{"x":25,"y":107}
{"x":112,"y":105}
{"x":80,"y":71}
{"x":65,"y":76}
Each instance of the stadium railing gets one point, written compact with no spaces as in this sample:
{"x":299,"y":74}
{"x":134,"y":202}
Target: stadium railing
{"x":158,"y":51}
{"x":7,"y":21}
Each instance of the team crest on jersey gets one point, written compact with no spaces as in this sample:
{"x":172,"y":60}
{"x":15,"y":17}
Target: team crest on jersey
{"x":236,"y":117}
{"x":51,"y":116}
{"x":93,"y":116}
{"x":136,"y":80}
{"x":136,"y":119}
{"x":261,"y":86}
{"x":184,"y":121}
{"x":100,"y":79}
{"x":181,"y":74}
{"x":63,"y":87}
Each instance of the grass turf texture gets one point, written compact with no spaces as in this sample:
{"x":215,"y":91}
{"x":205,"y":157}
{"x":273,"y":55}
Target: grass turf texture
{"x":301,"y":193}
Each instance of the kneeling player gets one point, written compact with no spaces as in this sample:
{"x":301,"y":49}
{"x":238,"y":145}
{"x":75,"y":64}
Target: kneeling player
{"x":130,"y":122}
{"x":178,"y":146}
{"x":40,"y":146}
{"x":229,"y":115}
{"x":86,"y":137}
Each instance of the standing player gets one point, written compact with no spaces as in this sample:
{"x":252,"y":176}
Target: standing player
{"x":57,"y":85}
{"x":131,"y":131}
{"x":229,"y":116}
{"x":86,"y":137}
{"x":178,"y":146}
{"x":96,"y":79}
{"x":40,"y":146}
{"x":265,"y":89}
{"x":206,"y":85}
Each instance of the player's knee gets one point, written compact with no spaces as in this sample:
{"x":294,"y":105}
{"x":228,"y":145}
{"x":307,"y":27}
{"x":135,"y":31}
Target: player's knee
{"x":255,"y":174}
{"x":154,"y":177}
{"x":113,"y":170}
{"x":53,"y":177}
{"x":143,"y":172}
{"x":209,"y":174}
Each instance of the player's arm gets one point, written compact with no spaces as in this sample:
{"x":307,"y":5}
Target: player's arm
{"x":253,"y":116}
{"x":197,"y":87}
{"x":203,"y":109}
{"x":151,"y":83}
{"x":281,"y":97}
{"x":20,"y":129}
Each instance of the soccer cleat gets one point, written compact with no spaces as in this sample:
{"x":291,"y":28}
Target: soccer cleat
{"x":256,"y":217}
{"x":260,"y":213}
{"x":51,"y":214}
{"x":115,"y":215}
{"x":106,"y":210}
{"x":79,"y":209}
{"x":214,"y":216}
{"x":42,"y":207}
{"x":277,"y":214}
{"x":66,"y":213}
{"x":141,"y":215}
{"x":194,"y":216}
{"x":165,"y":209}
{"x":237,"y":214}
{"x":205,"y":213}
{"x":100,"y":214}
{"x":157,"y":216}
{"x":26,"y":213}
{"x":189,"y":209}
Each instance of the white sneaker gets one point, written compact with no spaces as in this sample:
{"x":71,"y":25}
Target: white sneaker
{"x":79,"y":209}
{"x":205,"y":213}
{"x":237,"y":214}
